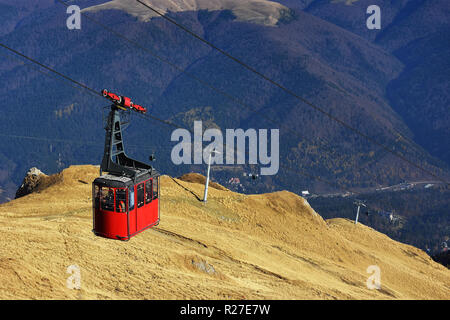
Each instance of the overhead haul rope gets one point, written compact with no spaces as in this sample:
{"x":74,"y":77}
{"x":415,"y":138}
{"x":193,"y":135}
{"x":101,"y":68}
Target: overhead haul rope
{"x":161,"y":121}
{"x":147,"y":117}
{"x":291,"y":93}
{"x":324,"y":143}
{"x":206,"y":84}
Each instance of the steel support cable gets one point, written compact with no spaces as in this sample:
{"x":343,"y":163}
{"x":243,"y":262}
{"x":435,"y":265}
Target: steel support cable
{"x":51,"y":70}
{"x":239,"y":101}
{"x":161,"y":121}
{"x":148,"y":117}
{"x":290,"y":92}
{"x":323,"y":141}
{"x":324,"y":144}
{"x":79,"y":86}
{"x":396,"y":134}
{"x":44,"y":73}
{"x":76,"y":82}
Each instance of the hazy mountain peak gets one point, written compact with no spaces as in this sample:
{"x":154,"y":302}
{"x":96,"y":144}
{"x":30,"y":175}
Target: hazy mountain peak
{"x":263,"y":12}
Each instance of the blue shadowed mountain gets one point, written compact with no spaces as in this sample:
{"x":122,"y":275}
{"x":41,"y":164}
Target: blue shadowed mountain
{"x":389,"y":87}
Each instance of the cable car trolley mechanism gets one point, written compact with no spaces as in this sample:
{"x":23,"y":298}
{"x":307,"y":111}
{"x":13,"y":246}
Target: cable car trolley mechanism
{"x":126,"y":198}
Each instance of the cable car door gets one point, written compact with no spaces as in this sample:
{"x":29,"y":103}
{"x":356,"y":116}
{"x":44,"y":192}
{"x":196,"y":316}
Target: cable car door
{"x":140,"y":213}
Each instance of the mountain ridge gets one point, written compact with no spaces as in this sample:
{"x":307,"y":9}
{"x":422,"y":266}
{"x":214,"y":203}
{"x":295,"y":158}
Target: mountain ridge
{"x":270,"y":246}
{"x":263,"y":12}
{"x":341,"y":67}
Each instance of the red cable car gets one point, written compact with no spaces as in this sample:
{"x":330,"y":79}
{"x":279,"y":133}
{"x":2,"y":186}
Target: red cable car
{"x":126,"y":199}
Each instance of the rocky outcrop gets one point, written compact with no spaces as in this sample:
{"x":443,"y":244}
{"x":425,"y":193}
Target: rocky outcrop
{"x":30,"y":183}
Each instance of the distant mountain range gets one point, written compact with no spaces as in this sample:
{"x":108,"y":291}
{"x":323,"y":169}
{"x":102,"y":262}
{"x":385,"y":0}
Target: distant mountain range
{"x":264,"y":12}
{"x":390,"y":84}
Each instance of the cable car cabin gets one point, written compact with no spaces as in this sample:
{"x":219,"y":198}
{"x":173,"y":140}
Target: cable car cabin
{"x":126,"y":200}
{"x":123,"y":208}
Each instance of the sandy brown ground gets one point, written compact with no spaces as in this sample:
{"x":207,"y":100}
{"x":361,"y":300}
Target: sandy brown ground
{"x":271,"y":246}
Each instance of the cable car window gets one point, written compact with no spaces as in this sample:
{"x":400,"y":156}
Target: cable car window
{"x":148,"y":191}
{"x":107,"y":199}
{"x":121,"y":200}
{"x":155,"y":188}
{"x":140,"y":195}
{"x":131,"y":198}
{"x":96,"y":197}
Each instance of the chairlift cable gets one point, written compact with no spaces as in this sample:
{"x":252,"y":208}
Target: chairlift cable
{"x":324,"y":143}
{"x":290,"y":92}
{"x":148,"y":117}
{"x":218,"y":90}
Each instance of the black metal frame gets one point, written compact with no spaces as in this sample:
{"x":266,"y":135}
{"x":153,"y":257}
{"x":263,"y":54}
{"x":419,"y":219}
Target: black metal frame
{"x":115,"y":161}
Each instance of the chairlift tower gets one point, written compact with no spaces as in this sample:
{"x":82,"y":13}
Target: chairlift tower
{"x":360,"y":204}
{"x":205,"y":196}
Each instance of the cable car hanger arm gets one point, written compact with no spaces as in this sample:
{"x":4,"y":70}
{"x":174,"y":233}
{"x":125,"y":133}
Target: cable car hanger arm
{"x":123,"y":102}
{"x":115,"y":160}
